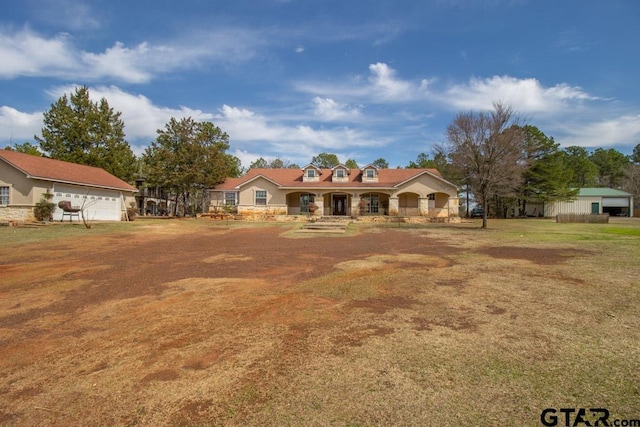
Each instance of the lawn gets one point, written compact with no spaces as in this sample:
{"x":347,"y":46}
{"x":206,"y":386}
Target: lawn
{"x":202,"y":323}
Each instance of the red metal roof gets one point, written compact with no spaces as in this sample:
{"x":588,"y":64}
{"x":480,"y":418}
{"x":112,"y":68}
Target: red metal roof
{"x":59,"y":171}
{"x":293,"y":178}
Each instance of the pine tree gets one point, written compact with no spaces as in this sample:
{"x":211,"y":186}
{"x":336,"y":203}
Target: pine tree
{"x":90,"y":133}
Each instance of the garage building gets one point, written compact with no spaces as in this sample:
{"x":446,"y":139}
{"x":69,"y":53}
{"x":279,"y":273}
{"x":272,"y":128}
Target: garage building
{"x":25,"y":178}
{"x":589,"y":201}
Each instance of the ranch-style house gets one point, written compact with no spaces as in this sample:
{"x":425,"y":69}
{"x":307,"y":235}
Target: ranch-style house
{"x":340,"y":192}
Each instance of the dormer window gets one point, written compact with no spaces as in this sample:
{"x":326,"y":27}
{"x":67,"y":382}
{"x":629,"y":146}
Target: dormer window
{"x":370,"y":173}
{"x":311,"y":173}
{"x":340,"y":173}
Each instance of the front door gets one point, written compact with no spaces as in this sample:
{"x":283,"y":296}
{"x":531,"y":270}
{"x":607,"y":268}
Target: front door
{"x":340,"y":204}
{"x":595,"y":208}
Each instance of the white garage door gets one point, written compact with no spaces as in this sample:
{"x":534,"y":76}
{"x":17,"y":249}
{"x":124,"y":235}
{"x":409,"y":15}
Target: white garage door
{"x":99,"y":205}
{"x":618,"y":202}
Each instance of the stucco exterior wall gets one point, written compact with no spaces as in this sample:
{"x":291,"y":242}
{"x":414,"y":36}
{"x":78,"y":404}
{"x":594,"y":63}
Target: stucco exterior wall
{"x":22,"y":190}
{"x":274,"y":195}
{"x":24,"y":193}
{"x":427,"y":184}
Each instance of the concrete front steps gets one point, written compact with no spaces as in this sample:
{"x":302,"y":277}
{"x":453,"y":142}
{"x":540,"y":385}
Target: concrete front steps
{"x":330,"y":224}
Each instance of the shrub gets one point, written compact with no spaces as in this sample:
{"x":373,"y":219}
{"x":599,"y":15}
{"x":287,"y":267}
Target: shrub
{"x":132,"y":211}
{"x":44,"y":208}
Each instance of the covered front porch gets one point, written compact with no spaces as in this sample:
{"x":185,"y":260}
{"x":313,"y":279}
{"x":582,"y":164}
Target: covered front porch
{"x":375,"y":203}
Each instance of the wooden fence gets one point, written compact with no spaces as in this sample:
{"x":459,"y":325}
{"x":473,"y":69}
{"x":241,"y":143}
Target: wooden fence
{"x":588,"y":218}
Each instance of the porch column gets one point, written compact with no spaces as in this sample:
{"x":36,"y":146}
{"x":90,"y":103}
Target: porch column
{"x":394,"y":207}
{"x":454,"y":206}
{"x":423,"y":206}
{"x":319,"y":201}
{"x":355,"y":204}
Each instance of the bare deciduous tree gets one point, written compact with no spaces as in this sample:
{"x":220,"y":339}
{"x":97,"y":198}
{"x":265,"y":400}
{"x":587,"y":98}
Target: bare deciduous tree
{"x":487,"y":150}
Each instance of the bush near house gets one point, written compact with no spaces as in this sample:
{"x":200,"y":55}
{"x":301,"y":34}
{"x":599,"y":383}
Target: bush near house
{"x":44,"y":208}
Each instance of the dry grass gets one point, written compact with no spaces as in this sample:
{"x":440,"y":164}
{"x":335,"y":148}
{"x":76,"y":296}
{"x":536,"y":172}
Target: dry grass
{"x":445,"y":326}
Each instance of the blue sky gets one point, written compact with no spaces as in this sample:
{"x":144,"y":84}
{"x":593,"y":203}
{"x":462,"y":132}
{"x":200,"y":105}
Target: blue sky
{"x":293,"y":78}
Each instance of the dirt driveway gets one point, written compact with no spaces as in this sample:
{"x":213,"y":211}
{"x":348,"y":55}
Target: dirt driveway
{"x":234,"y":326}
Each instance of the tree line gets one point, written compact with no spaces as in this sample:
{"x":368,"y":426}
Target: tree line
{"x":502,"y":162}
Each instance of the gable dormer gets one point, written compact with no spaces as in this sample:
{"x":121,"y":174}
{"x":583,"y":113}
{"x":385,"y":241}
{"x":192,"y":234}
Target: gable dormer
{"x":340,"y":173}
{"x":311,"y":173}
{"x":370,"y":173}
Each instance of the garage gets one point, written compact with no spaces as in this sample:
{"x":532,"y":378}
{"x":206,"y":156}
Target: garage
{"x":616,"y":206}
{"x":590,"y":200}
{"x":25,"y":180}
{"x":97,"y":204}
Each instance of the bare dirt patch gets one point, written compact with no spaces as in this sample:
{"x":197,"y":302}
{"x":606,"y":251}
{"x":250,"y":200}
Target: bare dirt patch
{"x":539,"y":256}
{"x":224,"y":326}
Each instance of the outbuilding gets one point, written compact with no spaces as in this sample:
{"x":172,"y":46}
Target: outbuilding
{"x":25,"y":178}
{"x":590,"y":201}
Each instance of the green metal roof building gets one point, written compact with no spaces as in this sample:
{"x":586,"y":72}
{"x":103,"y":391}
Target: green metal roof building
{"x":594,"y":201}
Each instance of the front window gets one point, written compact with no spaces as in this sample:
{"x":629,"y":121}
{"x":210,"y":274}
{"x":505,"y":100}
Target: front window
{"x":372,"y":203}
{"x":370,"y":173}
{"x":4,"y":196}
{"x":340,"y":173}
{"x":261,"y":197}
{"x":305,"y":201}
{"x":230,"y":199}
{"x":311,"y":173}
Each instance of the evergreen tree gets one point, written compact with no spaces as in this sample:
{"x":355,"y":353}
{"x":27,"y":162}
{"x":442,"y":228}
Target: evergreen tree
{"x":423,"y":161}
{"x":351,"y":164}
{"x":90,"y":133}
{"x":26,"y":148}
{"x":635,"y":157}
{"x":611,"y":166}
{"x":585,"y":172}
{"x":546,"y":177}
{"x":277,"y":163}
{"x":260,"y":163}
{"x":188,"y":157}
{"x":380,"y":163}
{"x":325,"y":160}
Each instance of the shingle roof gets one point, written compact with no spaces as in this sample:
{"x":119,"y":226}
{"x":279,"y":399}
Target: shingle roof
{"x":602,"y":192}
{"x":293,"y":178}
{"x":65,"y":172}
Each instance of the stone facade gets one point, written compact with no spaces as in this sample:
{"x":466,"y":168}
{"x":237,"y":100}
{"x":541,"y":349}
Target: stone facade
{"x":19,"y":214}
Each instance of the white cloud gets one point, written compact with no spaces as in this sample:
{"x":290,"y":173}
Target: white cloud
{"x":245,"y":125}
{"x":387,"y":87}
{"x":382,"y":86}
{"x":26,"y":53}
{"x":120,"y":63}
{"x":296,"y":142}
{"x":524,"y":95}
{"x":623,"y":130}
{"x":246,"y":158}
{"x":329,"y":110}
{"x":17,"y":126}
